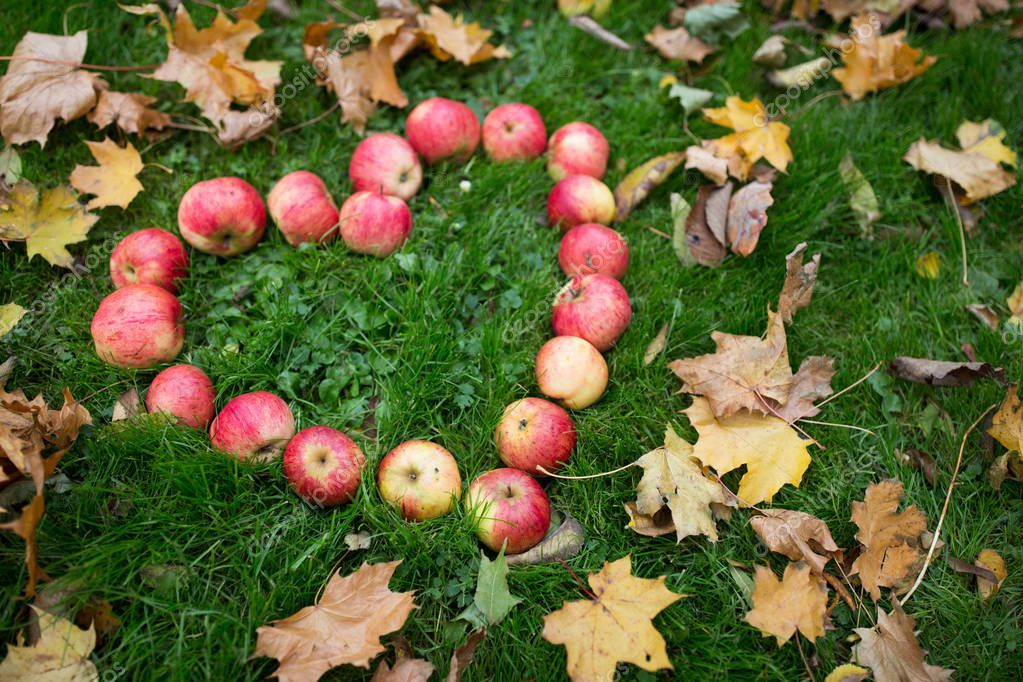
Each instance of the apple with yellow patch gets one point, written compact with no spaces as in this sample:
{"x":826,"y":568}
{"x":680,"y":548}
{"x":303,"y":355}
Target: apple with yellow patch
{"x":420,"y":479}
{"x":323,"y":466}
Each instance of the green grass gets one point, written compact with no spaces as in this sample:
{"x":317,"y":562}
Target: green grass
{"x":195,"y":551}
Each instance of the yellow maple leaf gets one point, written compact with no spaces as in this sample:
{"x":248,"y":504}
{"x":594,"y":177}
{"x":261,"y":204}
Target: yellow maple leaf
{"x":1015,"y":303}
{"x":1007,"y":424}
{"x":772,"y":451}
{"x":756,"y":136}
{"x":448,"y":37}
{"x":992,"y":561}
{"x":10,"y":315}
{"x":797,"y":602}
{"x":48,"y":225}
{"x":928,"y":265}
{"x":114,"y":180}
{"x":615,"y":626}
{"x":875,"y":62}
{"x":62,"y":653}
{"x":987,"y":138}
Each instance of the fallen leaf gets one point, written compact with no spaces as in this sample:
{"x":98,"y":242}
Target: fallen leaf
{"x":977,"y":174}
{"x":127,"y":406}
{"x":46,"y":225}
{"x":653,"y":349}
{"x":1007,"y":423}
{"x":890,"y":538}
{"x":637,"y":185}
{"x":797,"y":602}
{"x":800,"y":76}
{"x":705,"y":248}
{"x":672,"y":478}
{"x":847,"y":672}
{"x":702,"y":159}
{"x":561,"y":543}
{"x":987,"y":138}
{"x":597,"y":8}
{"x":791,"y":533}
{"x":747,"y":216}
{"x":357,"y":541}
{"x":928,"y":265}
{"x":589,"y":25}
{"x":114,"y":181}
{"x":919,"y":459}
{"x":1015,"y":303}
{"x":11,"y":314}
{"x":717,"y":211}
{"x":771,"y":52}
{"x":1008,"y":465}
{"x":132,"y":112}
{"x":680,"y":210}
{"x":992,"y":561}
{"x":716,"y":22}
{"x":492,"y":601}
{"x":462,"y":656}
{"x":943,"y":372}
{"x":772,"y":451}
{"x":800,"y":278}
{"x":404,"y":670}
{"x":344,"y":627}
{"x":676,"y":43}
{"x":61,"y":654}
{"x":862,"y":199}
{"x":691,"y":99}
{"x":755,"y":137}
{"x":874,"y":62}
{"x":892,"y":653}
{"x":450,"y":37}
{"x":985,"y":313}
{"x":10,"y":171}
{"x":811,"y":383}
{"x":34,"y":94}
{"x":963,"y":12}
{"x":614,"y":626}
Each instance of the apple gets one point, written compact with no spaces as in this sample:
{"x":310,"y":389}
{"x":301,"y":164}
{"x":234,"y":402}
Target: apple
{"x":579,"y":199}
{"x":185,"y":392}
{"x":149,"y":256}
{"x":441,"y":129}
{"x":514,"y":132}
{"x":508,"y":505}
{"x":421,"y":479}
{"x":577,"y":148}
{"x":253,"y":426}
{"x":138,"y":326}
{"x":302,"y":208}
{"x":223,"y":216}
{"x":592,"y":307}
{"x":323,"y":466}
{"x":532,"y":433}
{"x":571,"y":370}
{"x":386,"y":163}
{"x":374,"y":223}
{"x":590,"y":248}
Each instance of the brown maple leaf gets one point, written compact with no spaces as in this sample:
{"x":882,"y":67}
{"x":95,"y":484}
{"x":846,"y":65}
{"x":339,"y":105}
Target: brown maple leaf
{"x":616,"y":625}
{"x":810,"y":384}
{"x":797,"y":535}
{"x":875,"y":62}
{"x":891,"y":651}
{"x":676,"y":43}
{"x":891,"y":539}
{"x":964,"y":12}
{"x":34,"y":94}
{"x":344,"y":627}
{"x":132,"y":112}
{"x":800,"y":279}
{"x":450,"y":37}
{"x":797,"y":602}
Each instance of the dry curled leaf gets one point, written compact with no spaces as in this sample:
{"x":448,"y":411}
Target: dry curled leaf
{"x":462,"y":656}
{"x":963,"y":12}
{"x":891,"y":651}
{"x":924,"y":462}
{"x":891,"y":539}
{"x":701,"y":158}
{"x":943,"y":372}
{"x":127,"y":406}
{"x":874,"y":62}
{"x":653,"y":349}
{"x":450,"y":37}
{"x":1007,"y":423}
{"x":800,"y":76}
{"x":797,"y":535}
{"x":747,"y":216}
{"x":703,"y":244}
{"x":404,"y":670}
{"x":977,"y":174}
{"x":676,"y":43}
{"x":11,"y":314}
{"x":561,"y":542}
{"x":771,"y":52}
{"x":46,"y":224}
{"x":847,"y":672}
{"x":642,"y":180}
{"x":800,"y":278}
{"x":862,"y":199}
{"x":115,"y":180}
{"x":132,"y":112}
{"x":1015,"y":304}
{"x":756,"y":136}
{"x":797,"y":602}
{"x":60,"y":655}
{"x":34,"y":94}
{"x":992,"y":561}
{"x":615,"y":626}
{"x":985,"y":314}
{"x":344,"y":627}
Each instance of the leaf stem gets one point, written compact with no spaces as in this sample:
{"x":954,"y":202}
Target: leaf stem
{"x":80,"y":65}
{"x":582,"y":586}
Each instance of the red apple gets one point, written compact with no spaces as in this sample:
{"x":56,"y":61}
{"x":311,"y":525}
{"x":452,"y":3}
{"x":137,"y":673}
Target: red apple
{"x":138,"y":326}
{"x":323,"y":466}
{"x":577,"y":148}
{"x":223,"y":216}
{"x":533,"y":433}
{"x":253,"y":426}
{"x":592,"y":307}
{"x":514,"y":132}
{"x":590,"y":248}
{"x":386,"y":163}
{"x":579,"y":199}
{"x":302,"y":208}
{"x":571,"y":370}
{"x":421,"y":479}
{"x":441,"y":129}
{"x":149,"y":256}
{"x":374,"y":223}
{"x":185,"y":392}
{"x":508,"y":505}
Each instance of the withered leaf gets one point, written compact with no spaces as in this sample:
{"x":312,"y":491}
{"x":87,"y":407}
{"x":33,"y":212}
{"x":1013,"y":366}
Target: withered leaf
{"x":115,"y":180}
{"x":47,"y":224}
{"x":561,"y":542}
{"x":875,"y":61}
{"x":676,"y":43}
{"x":890,"y":538}
{"x":943,"y":372}
{"x":702,"y":159}
{"x":450,"y":37}
{"x":642,"y":180}
{"x":891,"y":651}
{"x":705,"y":247}
{"x":62,"y":653}
{"x":653,"y":349}
{"x":991,"y":561}
{"x":985,"y":313}
{"x":797,"y":602}
{"x":977,"y":174}
{"x":127,"y":406}
{"x":747,"y":216}
{"x":791,"y":533}
{"x":462,"y":656}
{"x":922,"y":461}
{"x":756,"y":136}
{"x":404,"y":670}
{"x":132,"y":112}
{"x":1007,"y":423}
{"x":800,"y":279}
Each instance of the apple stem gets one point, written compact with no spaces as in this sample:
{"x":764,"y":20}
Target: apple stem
{"x":582,"y":586}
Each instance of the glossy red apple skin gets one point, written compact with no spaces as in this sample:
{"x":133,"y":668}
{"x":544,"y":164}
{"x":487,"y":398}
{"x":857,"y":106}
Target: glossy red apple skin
{"x":577,"y":148}
{"x":420,"y":479}
{"x":185,"y":392}
{"x":374,"y":224}
{"x":441,"y":129}
{"x":508,"y":505}
{"x":590,"y":249}
{"x":579,"y":199}
{"x":149,"y":256}
{"x":571,"y":370}
{"x":323,"y":466}
{"x":253,"y":426}
{"x":592,"y":307}
{"x":514,"y":132}
{"x":302,"y":208}
{"x":223,"y":216}
{"x":534,"y":432}
{"x":386,"y":163}
{"x":138,"y":326}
